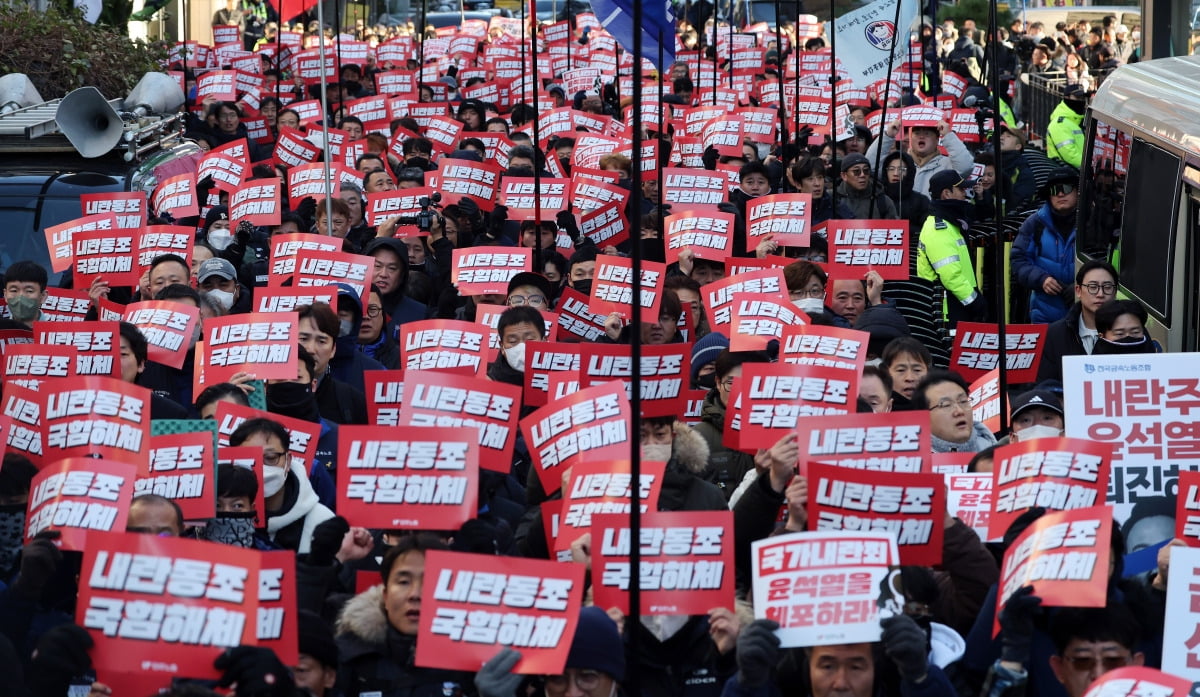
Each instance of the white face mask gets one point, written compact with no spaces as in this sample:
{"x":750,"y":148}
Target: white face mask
{"x":515,"y":355}
{"x":273,"y":479}
{"x":1037,"y":431}
{"x":220,"y":239}
{"x":657,"y":452}
{"x":345,"y":327}
{"x":664,"y":627}
{"x":223,"y":299}
{"x":810,"y":306}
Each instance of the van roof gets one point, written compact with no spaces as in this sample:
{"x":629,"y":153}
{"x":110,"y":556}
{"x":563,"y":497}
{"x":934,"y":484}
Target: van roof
{"x":1160,"y":96}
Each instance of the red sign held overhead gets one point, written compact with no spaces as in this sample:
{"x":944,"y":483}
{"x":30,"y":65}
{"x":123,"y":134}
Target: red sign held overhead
{"x":476,"y":181}
{"x":293,"y":150}
{"x":91,"y":416}
{"x":1058,"y":474}
{"x":858,"y":246}
{"x":447,"y":345}
{"x":523,"y":196}
{"x":288,"y":299}
{"x":98,"y":344}
{"x":157,"y":240}
{"x":168,"y":326}
{"x":408,"y":477}
{"x":29,"y":365}
{"x":302,"y":434}
{"x":785,"y":217}
{"x":60,"y":238}
{"x":226,"y":165}
{"x":777,"y":397}
{"x":665,"y":373}
{"x":543,"y":361}
{"x":180,"y":467}
{"x":23,"y":412}
{"x":261,"y":343}
{"x":718,"y":295}
{"x":438,"y":400}
{"x":687,"y":187}
{"x":176,"y":196}
{"x":885,"y":442}
{"x":612,"y":288}
{"x":977,"y":350}
{"x":487,"y":270}
{"x":985,"y":400}
{"x":707,"y":233}
{"x":686,"y":568}
{"x":106,"y":254}
{"x":286,"y":247}
{"x":603,"y":487}
{"x":129,"y":207}
{"x":593,"y":423}
{"x":757,"y":321}
{"x":385,"y":394}
{"x":79,"y":496}
{"x":314,"y":268}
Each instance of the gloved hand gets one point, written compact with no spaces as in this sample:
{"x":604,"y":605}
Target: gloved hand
{"x":757,"y":652}
{"x":1016,"y":624}
{"x":495,"y":678}
{"x":258,"y":672}
{"x":39,"y":560}
{"x":327,"y":541}
{"x":977,"y":309}
{"x":566,"y":222}
{"x":496,"y":222}
{"x":468,"y":208}
{"x":906,"y":644}
{"x":61,"y":654}
{"x":803,"y":135}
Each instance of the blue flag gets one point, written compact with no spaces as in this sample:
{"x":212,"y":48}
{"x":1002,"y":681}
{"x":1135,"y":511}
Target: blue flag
{"x":658,"y":19}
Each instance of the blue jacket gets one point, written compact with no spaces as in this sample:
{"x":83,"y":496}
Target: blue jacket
{"x":1042,"y":250}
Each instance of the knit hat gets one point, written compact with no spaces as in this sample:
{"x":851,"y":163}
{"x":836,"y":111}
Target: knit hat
{"x":316,"y":639}
{"x":214,"y":214}
{"x":706,"y":350}
{"x":597,"y":644}
{"x":853,"y":160}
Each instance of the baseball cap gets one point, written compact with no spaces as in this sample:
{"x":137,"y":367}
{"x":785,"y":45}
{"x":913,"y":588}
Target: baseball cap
{"x":945,"y":179}
{"x":1036,"y":398}
{"x":216,"y":267}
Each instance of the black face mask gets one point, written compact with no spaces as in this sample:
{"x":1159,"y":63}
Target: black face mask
{"x":236,"y":529}
{"x":519,"y":172}
{"x":294,"y":400}
{"x":12,"y":531}
{"x":708,"y":382}
{"x":1127,"y":345}
{"x":583,"y":286}
{"x":962,"y":212}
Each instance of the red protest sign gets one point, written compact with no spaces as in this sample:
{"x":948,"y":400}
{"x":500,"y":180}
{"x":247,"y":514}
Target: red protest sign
{"x":1187,"y":508}
{"x":718,"y":295}
{"x":779,"y":395}
{"x":292,"y":150}
{"x":405,"y":203}
{"x":588,"y":193}
{"x":910,"y":506}
{"x":23,"y":410}
{"x":1135,"y":681}
{"x":575,"y":319}
{"x":489,"y":316}
{"x":487,"y":270}
{"x":157,"y":240}
{"x":477,"y":603}
{"x":684,"y":187}
{"x":314,"y":268}
{"x":95,"y":416}
{"x":786,"y":217}
{"x":448,"y":345}
{"x":68,"y":305}
{"x":602,"y":488}
{"x":278,"y":616}
{"x":824,"y":587}
{"x":612,"y":288}
{"x":985,"y":400}
{"x":385,"y":394}
{"x":665,"y":373}
{"x":885,"y":442}
{"x":286,"y":247}
{"x":969,"y":498}
{"x":591,"y":424}
{"x":606,"y":225}
{"x":303,"y":434}
{"x":97,"y":343}
{"x":185,"y":600}
{"x":525,"y":196}
{"x":59,"y":238}
{"x":977,"y":350}
{"x":168,"y":326}
{"x":476,"y":181}
{"x":176,"y":196}
{"x":106,"y":254}
{"x":709,"y":234}
{"x":128,"y":206}
{"x":686,"y":562}
{"x":260,"y":343}
{"x":309,"y":180}
{"x":226,"y":165}
{"x":288,"y":299}
{"x":757,"y":321}
{"x":180,"y":468}
{"x":444,"y":133}
{"x":1064,"y":555}
{"x":543,"y":360}
{"x":79,"y":496}
{"x":257,"y":201}
{"x":29,"y":365}
{"x":408,"y":477}
{"x":1058,"y":474}
{"x":439,"y":400}
{"x":858,"y":246}
{"x":833,"y":347}
{"x":218,"y":84}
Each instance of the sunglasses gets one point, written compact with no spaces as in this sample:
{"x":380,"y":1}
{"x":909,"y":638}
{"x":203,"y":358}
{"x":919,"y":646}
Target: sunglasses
{"x":1085,"y":664}
{"x":1062,"y":189}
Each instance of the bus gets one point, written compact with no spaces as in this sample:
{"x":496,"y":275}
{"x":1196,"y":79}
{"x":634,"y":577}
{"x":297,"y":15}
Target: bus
{"x":1140,"y":191}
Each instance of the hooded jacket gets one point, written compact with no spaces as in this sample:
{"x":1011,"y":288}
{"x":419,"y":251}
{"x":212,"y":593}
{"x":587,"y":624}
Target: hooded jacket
{"x":725,"y":467}
{"x":1044,"y":248}
{"x":398,"y":306}
{"x":375,"y":659}
{"x":910,"y":205}
{"x":957,"y":158}
{"x":859,"y":203}
{"x":349,"y":363}
{"x":292,"y":527}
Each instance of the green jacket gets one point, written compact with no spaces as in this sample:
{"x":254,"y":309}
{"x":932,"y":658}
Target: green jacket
{"x":942,"y":255}
{"x":1064,"y":137}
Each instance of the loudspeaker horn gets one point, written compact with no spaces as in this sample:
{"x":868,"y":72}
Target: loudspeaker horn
{"x":17,"y":92}
{"x":87,"y":120}
{"x":155,"y":93}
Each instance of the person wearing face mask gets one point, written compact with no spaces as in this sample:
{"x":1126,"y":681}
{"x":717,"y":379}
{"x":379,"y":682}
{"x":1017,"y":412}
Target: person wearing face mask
{"x":704,"y":360}
{"x":293,"y":510}
{"x":1122,"y":328}
{"x":806,"y":289}
{"x":24,"y":292}
{"x":236,"y":519}
{"x":726,"y":467}
{"x":16,"y":475}
{"x":942,"y":253}
{"x":217,"y":232}
{"x":517,"y":325}
{"x":217,"y":280}
{"x":295,"y":399}
{"x":1036,"y":414}
{"x":581,"y":268}
{"x":348,"y":363}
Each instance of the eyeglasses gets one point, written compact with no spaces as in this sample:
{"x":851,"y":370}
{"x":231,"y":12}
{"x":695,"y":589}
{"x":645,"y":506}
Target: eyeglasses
{"x":1100,"y":288}
{"x":897,"y":170}
{"x":1085,"y":664}
{"x":374,"y":311}
{"x":1062,"y":189}
{"x":272,"y":457}
{"x":516,"y":300}
{"x":810,"y":293}
{"x":858,"y":171}
{"x":963,"y":403}
{"x":584,"y":680}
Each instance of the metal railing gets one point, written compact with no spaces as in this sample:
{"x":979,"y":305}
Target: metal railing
{"x":1045,"y":91}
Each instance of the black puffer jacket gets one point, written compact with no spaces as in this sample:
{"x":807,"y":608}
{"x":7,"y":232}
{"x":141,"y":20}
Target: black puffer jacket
{"x":726,"y":467}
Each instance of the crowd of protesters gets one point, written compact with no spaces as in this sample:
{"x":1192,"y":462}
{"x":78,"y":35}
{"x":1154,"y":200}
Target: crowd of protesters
{"x":360,"y":644}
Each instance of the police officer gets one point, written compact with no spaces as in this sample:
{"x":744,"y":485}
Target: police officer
{"x":942,"y":253}
{"x":1064,"y":135}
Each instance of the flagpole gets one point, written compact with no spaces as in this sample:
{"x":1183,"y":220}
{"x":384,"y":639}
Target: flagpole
{"x":324,"y":117}
{"x":780,"y":62}
{"x":833,"y":71}
{"x":1000,"y":256}
{"x":887,"y":91}
{"x":796,"y":104}
{"x":537,"y":144}
{"x":635,"y":353}
{"x":729,"y":50}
